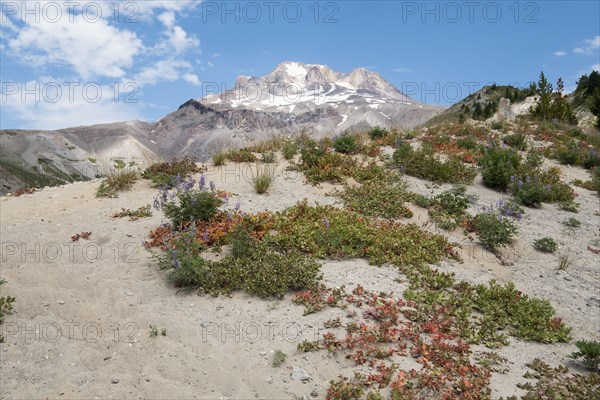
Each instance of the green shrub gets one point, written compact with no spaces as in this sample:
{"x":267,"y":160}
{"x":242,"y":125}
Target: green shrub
{"x":377,"y":133}
{"x":497,"y":125}
{"x":572,"y":223}
{"x":165,"y":174}
{"x":596,"y":179}
{"x":378,"y":199}
{"x":591,"y":159}
{"x":258,"y":269}
{"x":568,"y":155}
{"x":329,"y":232}
{"x":533,"y":186}
{"x":448,"y":209}
{"x":186,"y":204}
{"x":569,"y":205}
{"x":241,"y":156}
{"x":498,"y":166}
{"x":421,"y":200}
{"x":424,"y":164}
{"x":545,"y":245}
{"x":278,"y":358}
{"x":346,"y":144}
{"x":517,"y":141}
{"x":6,"y":304}
{"x":320,"y":165}
{"x":268,"y":158}
{"x":590,"y":351}
{"x":494,"y":230}
{"x":467,"y":143}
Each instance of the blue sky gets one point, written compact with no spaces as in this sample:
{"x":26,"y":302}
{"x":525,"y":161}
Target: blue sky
{"x":68,"y":64}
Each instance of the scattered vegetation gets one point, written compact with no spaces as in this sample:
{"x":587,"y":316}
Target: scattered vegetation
{"x":557,"y":383}
{"x":449,"y":209}
{"x":141,"y":212}
{"x":6,"y":304}
{"x":255,"y":266}
{"x":378,"y":199}
{"x":572,"y":222}
{"x":495,"y":229}
{"x":170,"y":173}
{"x":516,"y":140}
{"x":545,"y":245}
{"x":268,"y":157}
{"x":278,"y":358}
{"x":320,"y":165}
{"x":346,"y":144}
{"x":377,"y":133}
{"x":241,"y":156}
{"x":589,"y":351}
{"x":424,"y":164}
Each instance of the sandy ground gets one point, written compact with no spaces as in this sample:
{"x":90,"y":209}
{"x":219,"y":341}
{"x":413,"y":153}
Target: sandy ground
{"x":80,"y":327}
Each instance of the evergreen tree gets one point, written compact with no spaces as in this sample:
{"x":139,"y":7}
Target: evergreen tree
{"x":477,"y":112}
{"x":543,"y":108}
{"x":595,"y":106}
{"x":561,"y":109}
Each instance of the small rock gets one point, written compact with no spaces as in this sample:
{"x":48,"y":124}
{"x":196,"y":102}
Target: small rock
{"x":299,"y":374}
{"x":61,"y":302}
{"x":314,"y":393}
{"x":114,"y":381}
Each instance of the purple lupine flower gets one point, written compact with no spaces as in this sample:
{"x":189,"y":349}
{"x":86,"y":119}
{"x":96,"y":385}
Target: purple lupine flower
{"x":202,"y":182}
{"x":188,"y":185}
{"x":206,"y":236}
{"x":156,"y":204}
{"x":175,"y":260}
{"x":237,"y":207}
{"x":212,"y":186}
{"x":512,"y":178}
{"x":326,"y":222}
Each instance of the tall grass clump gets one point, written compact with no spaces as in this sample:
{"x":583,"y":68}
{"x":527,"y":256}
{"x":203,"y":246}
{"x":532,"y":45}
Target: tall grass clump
{"x":118,"y":178}
{"x":263,"y":177}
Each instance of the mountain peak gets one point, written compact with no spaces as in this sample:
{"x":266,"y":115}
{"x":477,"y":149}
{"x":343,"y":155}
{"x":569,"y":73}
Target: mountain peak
{"x":296,"y":87}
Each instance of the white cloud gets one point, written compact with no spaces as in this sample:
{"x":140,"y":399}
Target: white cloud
{"x":560,"y":53}
{"x":192,"y":78}
{"x":103,"y":50}
{"x":91,"y":49}
{"x":166,"y":70}
{"x":177,"y":38}
{"x":591,"y":44}
{"x":68,"y":107}
{"x":402,"y":70}
{"x":595,"y":67}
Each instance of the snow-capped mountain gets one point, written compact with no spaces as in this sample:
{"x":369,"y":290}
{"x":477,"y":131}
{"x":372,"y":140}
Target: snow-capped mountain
{"x":359,"y":98}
